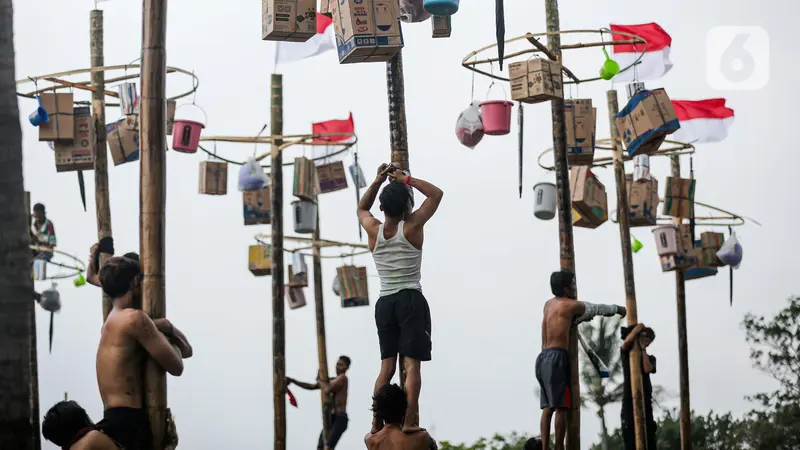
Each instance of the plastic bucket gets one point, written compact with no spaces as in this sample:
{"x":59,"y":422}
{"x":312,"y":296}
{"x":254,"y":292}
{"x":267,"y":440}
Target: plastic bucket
{"x":40,"y":116}
{"x":544,"y":203}
{"x":666,"y":239}
{"x":186,"y":136}
{"x":305,"y":216}
{"x":441,"y":7}
{"x":496,"y":115}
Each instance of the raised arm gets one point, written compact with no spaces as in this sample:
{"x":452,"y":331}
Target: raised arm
{"x":628,"y":343}
{"x":585,"y":311}
{"x":365,"y":217}
{"x":155,"y":343}
{"x":98,"y":255}
{"x":433,"y":196}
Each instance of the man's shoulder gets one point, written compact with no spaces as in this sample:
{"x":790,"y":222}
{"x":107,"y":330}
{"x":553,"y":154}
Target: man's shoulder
{"x":129,"y":319}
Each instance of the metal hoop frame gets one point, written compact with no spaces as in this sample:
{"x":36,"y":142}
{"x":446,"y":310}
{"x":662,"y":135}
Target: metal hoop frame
{"x":291,"y":140}
{"x":706,"y":221}
{"x":674,"y":148}
{"x":322,"y":243}
{"x":80,"y":268}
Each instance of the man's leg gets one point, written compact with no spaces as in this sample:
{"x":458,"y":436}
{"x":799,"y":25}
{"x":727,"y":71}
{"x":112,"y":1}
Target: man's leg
{"x":388,"y":368}
{"x":412,"y":388}
{"x":561,"y":427}
{"x":544,"y":427}
{"x":336,"y":430}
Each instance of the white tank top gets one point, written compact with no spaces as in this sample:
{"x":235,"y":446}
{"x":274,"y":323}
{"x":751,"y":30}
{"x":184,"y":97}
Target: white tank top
{"x":398,"y":262}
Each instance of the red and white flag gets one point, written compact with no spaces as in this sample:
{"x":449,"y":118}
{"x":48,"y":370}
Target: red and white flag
{"x":702,"y":120}
{"x":334,"y":126}
{"x":655,"y":62}
{"x":321,"y":42}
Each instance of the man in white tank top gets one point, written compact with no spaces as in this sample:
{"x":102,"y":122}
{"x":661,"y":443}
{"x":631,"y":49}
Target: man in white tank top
{"x":402,"y":315}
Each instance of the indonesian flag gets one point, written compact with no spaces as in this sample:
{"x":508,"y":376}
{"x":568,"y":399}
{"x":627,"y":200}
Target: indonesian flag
{"x":702,"y":120}
{"x":654,"y":64}
{"x":334,"y":126}
{"x":319,"y":43}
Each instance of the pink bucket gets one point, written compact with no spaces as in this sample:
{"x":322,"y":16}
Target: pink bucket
{"x":186,"y":136}
{"x":496,"y":116}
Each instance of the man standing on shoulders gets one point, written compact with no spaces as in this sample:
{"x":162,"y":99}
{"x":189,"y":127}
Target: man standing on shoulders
{"x":552,"y":365}
{"x":336,"y":390}
{"x":402,"y":315}
{"x":126,"y":332}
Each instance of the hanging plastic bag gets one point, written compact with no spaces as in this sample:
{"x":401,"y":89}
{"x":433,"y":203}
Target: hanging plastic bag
{"x":469,"y":127}
{"x":252,"y":176}
{"x":51,"y":299}
{"x":412,"y":11}
{"x":731,"y":252}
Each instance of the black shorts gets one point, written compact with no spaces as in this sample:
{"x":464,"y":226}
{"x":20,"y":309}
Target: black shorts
{"x":553,"y":374}
{"x":337,"y":424}
{"x":128,"y":427}
{"x":404,"y":325}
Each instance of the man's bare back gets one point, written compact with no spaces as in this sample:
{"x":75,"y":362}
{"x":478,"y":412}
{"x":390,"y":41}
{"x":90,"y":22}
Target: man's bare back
{"x":391,"y":437}
{"x":119,"y":359}
{"x":340,"y":394}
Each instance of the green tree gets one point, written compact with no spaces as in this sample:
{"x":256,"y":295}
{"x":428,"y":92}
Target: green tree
{"x":512,"y":441}
{"x":602,"y":338}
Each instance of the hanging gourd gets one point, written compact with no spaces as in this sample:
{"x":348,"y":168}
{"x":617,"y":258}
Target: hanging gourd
{"x":186,"y":133}
{"x":305,"y":216}
{"x":544,"y":204}
{"x":496,"y":114}
{"x":40,"y":115}
{"x":441,"y":7}
{"x":609,"y":68}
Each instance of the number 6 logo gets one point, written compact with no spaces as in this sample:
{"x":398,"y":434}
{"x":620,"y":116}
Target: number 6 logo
{"x":737,"y":58}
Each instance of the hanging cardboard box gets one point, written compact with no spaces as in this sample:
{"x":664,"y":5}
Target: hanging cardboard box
{"x":679,"y":197}
{"x":297,"y":280}
{"x":123,"y":140}
{"x":325,"y":7}
{"x":331,"y":177}
{"x":213,"y":177}
{"x":170,"y":116}
{"x":295,"y":296}
{"x":288,"y":20}
{"x":712,"y":240}
{"x":588,"y":196}
{"x":306,"y":182}
{"x":686,"y":256}
{"x":61,"y":125}
{"x":702,"y":267}
{"x":367,"y":30}
{"x":642,"y":201}
{"x":260,"y":260}
{"x":581,"y":123}
{"x":579,"y":221}
{"x":77,"y":154}
{"x":257,"y":206}
{"x":646,"y":121}
{"x":535,"y":80}
{"x":353,"y":286}
{"x":442,"y":26}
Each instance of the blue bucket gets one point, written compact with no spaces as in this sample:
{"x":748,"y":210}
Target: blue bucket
{"x":441,"y":7}
{"x":39,"y":116}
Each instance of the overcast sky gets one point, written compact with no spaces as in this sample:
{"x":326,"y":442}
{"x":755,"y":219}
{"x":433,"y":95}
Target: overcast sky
{"x":487,"y":259}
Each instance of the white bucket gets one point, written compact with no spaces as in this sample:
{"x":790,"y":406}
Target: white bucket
{"x":299,"y":263}
{"x":544,"y":201}
{"x":666,"y":239}
{"x":305,"y":216}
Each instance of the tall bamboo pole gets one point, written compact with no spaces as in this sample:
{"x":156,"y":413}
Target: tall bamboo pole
{"x":102,"y":200}
{"x":637,"y":387}
{"x":322,"y":349}
{"x":34,"y":362}
{"x":153,"y":195}
{"x":567,"y":248}
{"x":398,"y":134}
{"x":276,"y":211}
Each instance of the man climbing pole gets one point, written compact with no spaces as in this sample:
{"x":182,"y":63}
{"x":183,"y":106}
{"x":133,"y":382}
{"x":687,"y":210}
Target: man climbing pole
{"x":646,"y":337}
{"x":402,"y":315}
{"x":389,"y":405}
{"x":42,"y":232}
{"x":106,"y":247}
{"x":336,"y":390}
{"x":125,"y":333}
{"x":552,"y":364}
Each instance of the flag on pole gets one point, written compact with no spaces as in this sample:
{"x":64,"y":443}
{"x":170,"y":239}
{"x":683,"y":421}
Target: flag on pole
{"x":334,"y":126}
{"x":655,"y":63}
{"x":321,"y":42}
{"x":702,"y":120}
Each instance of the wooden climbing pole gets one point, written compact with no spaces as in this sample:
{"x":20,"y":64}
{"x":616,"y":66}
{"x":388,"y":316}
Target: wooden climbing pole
{"x":322,"y":348}
{"x":153,"y":196}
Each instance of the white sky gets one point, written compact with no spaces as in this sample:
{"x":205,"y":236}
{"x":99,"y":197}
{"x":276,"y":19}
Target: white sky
{"x":487,"y":259}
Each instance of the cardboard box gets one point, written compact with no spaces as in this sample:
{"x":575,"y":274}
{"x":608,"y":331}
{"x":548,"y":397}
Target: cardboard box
{"x":306,"y":181}
{"x":705,"y":263}
{"x":325,"y":7}
{"x":354,"y":287}
{"x":61,"y":125}
{"x":643,"y":201}
{"x":331,"y":177}
{"x":579,"y":221}
{"x":295,"y":296}
{"x":123,"y":140}
{"x":300,"y":280}
{"x":260,"y":260}
{"x":288,"y":20}
{"x":442,"y":26}
{"x":77,"y":154}
{"x":535,"y":80}
{"x":712,"y":240}
{"x":646,"y":121}
{"x":170,"y":116}
{"x":257,"y":206}
{"x":367,"y":30}
{"x":581,"y":124}
{"x":588,"y":196}
{"x":679,"y":197}
{"x":213,"y":177}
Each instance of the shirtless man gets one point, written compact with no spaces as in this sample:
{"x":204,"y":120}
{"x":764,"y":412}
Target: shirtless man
{"x":68,"y":426}
{"x":402,"y":315}
{"x":126,"y":332}
{"x":336,"y":390}
{"x":552,"y":365}
{"x":389,"y":406}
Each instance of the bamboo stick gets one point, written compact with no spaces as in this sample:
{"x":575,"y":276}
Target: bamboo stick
{"x":637,"y":388}
{"x":153,"y":141}
{"x":276,"y":211}
{"x":567,"y":253}
{"x":319,"y":307}
{"x":102,"y":198}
